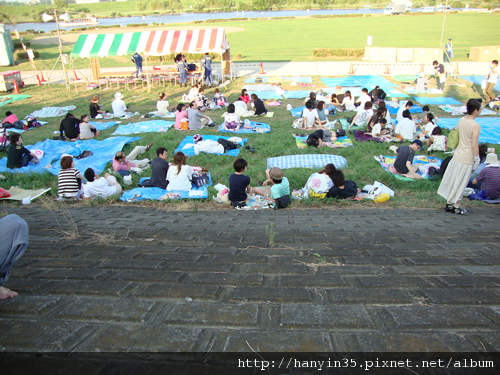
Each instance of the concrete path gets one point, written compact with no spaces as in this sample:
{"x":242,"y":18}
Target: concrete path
{"x":137,"y":279}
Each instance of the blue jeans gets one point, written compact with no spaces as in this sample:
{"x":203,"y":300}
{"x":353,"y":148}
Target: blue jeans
{"x":208,"y":76}
{"x":183,"y":77}
{"x":26,"y":159}
{"x":14,"y":234}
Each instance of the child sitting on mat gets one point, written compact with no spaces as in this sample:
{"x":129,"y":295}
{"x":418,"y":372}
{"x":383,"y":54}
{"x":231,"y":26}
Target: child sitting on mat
{"x":239,"y":184}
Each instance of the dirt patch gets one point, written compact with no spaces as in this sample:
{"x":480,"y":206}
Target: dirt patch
{"x":71,"y":38}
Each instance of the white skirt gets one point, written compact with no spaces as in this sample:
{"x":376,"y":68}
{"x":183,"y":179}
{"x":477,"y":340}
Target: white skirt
{"x":455,"y":181}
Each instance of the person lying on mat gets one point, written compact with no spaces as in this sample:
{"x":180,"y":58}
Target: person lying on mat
{"x":239,"y":184}
{"x":278,"y":192}
{"x":258,"y":105}
{"x":363,"y":116}
{"x":319,"y":137}
{"x":406,"y":128}
{"x":100,"y":187}
{"x":232,"y":121}
{"x":19,"y":156}
{"x":124,"y":164}
{"x":342,"y":189}
{"x":159,"y":170}
{"x":403,"y":165}
{"x":219,"y":146}
{"x":179,"y":174}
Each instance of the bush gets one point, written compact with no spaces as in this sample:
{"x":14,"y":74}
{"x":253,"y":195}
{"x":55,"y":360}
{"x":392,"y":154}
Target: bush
{"x":283,"y":18}
{"x":21,"y":55}
{"x":137,"y":24}
{"x":338,"y":52}
{"x":106,"y":26}
{"x":339,"y":15}
{"x":18,"y":45}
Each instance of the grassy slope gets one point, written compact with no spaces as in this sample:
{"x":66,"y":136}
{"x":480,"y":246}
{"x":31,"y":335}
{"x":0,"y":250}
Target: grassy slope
{"x":362,"y":168}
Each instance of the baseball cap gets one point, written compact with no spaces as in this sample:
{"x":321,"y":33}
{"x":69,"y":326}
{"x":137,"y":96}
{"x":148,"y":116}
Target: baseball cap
{"x":419,"y":143}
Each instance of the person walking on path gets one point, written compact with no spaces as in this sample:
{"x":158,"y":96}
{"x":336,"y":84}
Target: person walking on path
{"x":465,"y":159}
{"x":207,"y":64}
{"x":137,"y":60}
{"x":448,"y":51}
{"x":491,"y":81}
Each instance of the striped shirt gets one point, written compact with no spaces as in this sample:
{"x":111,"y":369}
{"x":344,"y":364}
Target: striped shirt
{"x":67,"y":182}
{"x":490,"y":178}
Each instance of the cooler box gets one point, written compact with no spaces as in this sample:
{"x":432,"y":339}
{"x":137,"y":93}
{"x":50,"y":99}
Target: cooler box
{"x":7,"y":80}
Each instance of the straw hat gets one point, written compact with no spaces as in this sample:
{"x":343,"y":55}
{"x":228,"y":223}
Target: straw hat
{"x":491,"y":159}
{"x":275,"y":173}
{"x":118,"y":95}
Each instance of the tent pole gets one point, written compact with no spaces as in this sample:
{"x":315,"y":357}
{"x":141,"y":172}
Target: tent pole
{"x":147,"y":74}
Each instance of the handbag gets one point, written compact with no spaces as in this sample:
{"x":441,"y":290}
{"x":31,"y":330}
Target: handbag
{"x":453,"y":138}
{"x":200,"y":180}
{"x":340,"y":133}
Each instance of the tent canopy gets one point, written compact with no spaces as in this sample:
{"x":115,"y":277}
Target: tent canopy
{"x":151,"y":43}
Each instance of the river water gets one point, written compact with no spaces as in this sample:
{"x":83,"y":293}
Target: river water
{"x":189,"y":17}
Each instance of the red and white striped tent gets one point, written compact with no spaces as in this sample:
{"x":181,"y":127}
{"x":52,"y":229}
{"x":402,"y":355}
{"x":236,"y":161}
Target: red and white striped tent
{"x":151,"y":43}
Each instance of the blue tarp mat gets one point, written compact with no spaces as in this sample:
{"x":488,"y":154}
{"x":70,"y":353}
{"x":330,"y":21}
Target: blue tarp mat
{"x":155,"y":194}
{"x":439,"y":100}
{"x":490,"y":128}
{"x":260,"y":87}
{"x":394,"y":111}
{"x":265,"y":94}
{"x":103,"y":125}
{"x":297,"y":112}
{"x":254,"y":124}
{"x":252,"y":80}
{"x":297,"y":94}
{"x":355,"y":91}
{"x":190,"y":151}
{"x":103,"y":153}
{"x":307,"y":161}
{"x":418,"y":160}
{"x":153,"y":126}
{"x":478,"y":80}
{"x":359,"y":81}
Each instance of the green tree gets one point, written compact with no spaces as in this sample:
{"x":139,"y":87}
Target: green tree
{"x":60,"y":4}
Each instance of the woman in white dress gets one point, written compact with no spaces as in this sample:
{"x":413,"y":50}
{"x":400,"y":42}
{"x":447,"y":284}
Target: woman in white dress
{"x":465,"y":159}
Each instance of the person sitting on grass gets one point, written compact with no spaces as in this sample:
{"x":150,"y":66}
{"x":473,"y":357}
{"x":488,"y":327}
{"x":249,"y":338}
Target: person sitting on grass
{"x":88,"y":130}
{"x":363,"y":98}
{"x":69,"y":179}
{"x":406,"y":128}
{"x":312,"y":98}
{"x":232,"y":121}
{"x":334,"y":100}
{"x":70,"y":127}
{"x":162,"y":104}
{"x":11,"y":121}
{"x":14,"y":232}
{"x":319,"y":137}
{"x":279,"y":192}
{"x":377,"y":94}
{"x":403,"y":164}
{"x":181,"y":116}
{"x":239,"y":184}
{"x":95,"y":108}
{"x":342,"y":188}
{"x":179,"y":174}
{"x":309,"y":115}
{"x":379,"y":113}
{"x":19,"y":156}
{"x":258,"y":104}
{"x":124,"y":164}
{"x":363,"y":116}
{"x":100,"y":187}
{"x":159,"y":170}
{"x":201,"y":100}
{"x":322,"y":114}
{"x":489,"y":178}
{"x":219,"y":98}
{"x":379,"y":129}
{"x":426,"y":127}
{"x":119,"y":107}
{"x":348,"y":101}
{"x":403,"y":108}
{"x":197,"y":120}
{"x":242,"y":109}
{"x":244,"y":97}
{"x":437,"y":141}
{"x":193,"y":92}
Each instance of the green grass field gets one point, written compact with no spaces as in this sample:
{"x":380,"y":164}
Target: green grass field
{"x":362,"y":168}
{"x":294,"y":40}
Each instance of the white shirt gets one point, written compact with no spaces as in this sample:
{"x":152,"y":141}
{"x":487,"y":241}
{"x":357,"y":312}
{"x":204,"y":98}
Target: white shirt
{"x":399,"y":116}
{"x":493,"y":76}
{"x":377,"y":128}
{"x":349,"y":104}
{"x":85,"y":132}
{"x":429,"y":127}
{"x":208,"y":146}
{"x":310,"y":117}
{"x":406,"y":128}
{"x":363,"y":116}
{"x":181,"y":181}
{"x":230,"y":117}
{"x":98,"y":188}
{"x":363,"y":99}
{"x":162,"y":106}
{"x":118,"y":107}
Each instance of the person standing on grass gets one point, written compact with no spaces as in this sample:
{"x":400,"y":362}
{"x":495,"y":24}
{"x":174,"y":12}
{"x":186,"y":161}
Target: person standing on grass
{"x":440,"y":73}
{"x":183,"y":72}
{"x":465,"y":160}
{"x":14,"y":233}
{"x":491,"y":81}
{"x":448,"y":51}
{"x":207,"y":64}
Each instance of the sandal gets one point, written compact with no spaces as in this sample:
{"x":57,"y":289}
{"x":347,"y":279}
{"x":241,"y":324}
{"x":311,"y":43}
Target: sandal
{"x":449,"y":208}
{"x":150,"y":144}
{"x":458,"y":210}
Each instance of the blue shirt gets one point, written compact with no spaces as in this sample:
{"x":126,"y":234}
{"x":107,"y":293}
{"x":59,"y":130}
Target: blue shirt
{"x":207,"y":62}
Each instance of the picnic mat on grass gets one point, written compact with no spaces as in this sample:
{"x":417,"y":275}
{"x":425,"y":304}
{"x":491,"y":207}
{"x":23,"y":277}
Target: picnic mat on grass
{"x":265,"y":94}
{"x":162,"y":115}
{"x":103,"y":125}
{"x":394,"y":110}
{"x":362,"y":136}
{"x":307,"y":161}
{"x":424,"y":162}
{"x":7,"y":99}
{"x":403,"y":78}
{"x":187,"y":145}
{"x":103,"y":153}
{"x":490,"y":127}
{"x":345,"y":125}
{"x":439,"y":100}
{"x":428,"y":91}
{"x":260,"y":87}
{"x":153,"y":126}
{"x":252,"y":79}
{"x":297,"y":112}
{"x":478,"y":80}
{"x":51,"y":112}
{"x":362,"y":81}
{"x":462,"y":110}
{"x":14,"y":130}
{"x":299,"y":79}
{"x":297,"y":94}
{"x":265,"y":128}
{"x":340,"y":142}
{"x":17,"y":194}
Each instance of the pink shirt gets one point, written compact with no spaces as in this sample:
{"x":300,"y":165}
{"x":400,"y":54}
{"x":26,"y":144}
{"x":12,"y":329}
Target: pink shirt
{"x":245,"y":98}
{"x":11,"y":119}
{"x":122,"y":165}
{"x":178,"y":117}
